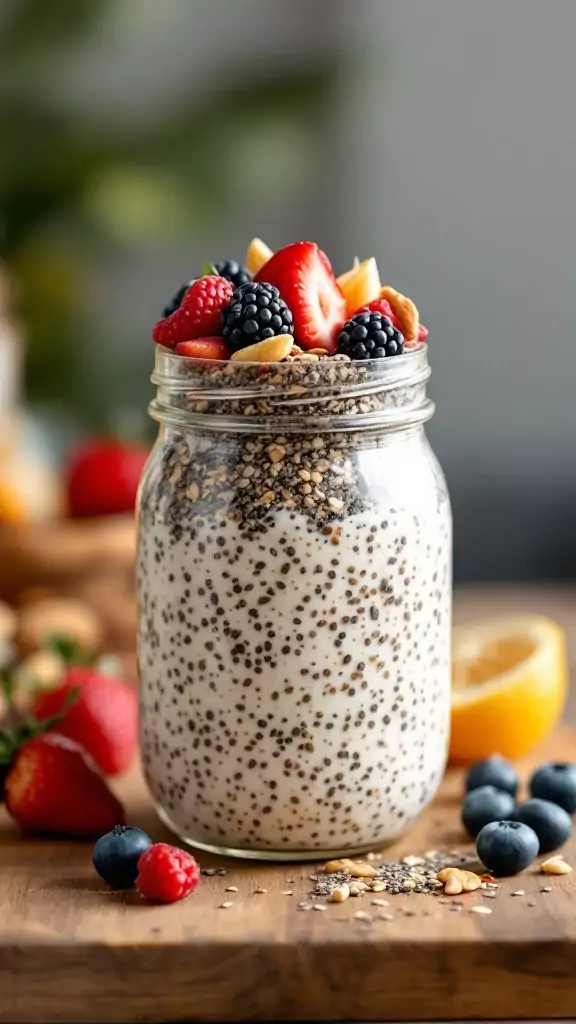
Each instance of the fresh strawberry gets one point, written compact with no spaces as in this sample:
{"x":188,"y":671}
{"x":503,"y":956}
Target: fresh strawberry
{"x":54,"y":786}
{"x":199,"y":314}
{"x":102,"y":478}
{"x":103,"y":717}
{"x":203,"y":348}
{"x":304,"y":277}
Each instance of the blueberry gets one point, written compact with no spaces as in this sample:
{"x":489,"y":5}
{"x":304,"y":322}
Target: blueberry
{"x":557,"y":783}
{"x":115,"y":855}
{"x":484,"y":805}
{"x":494,"y":771}
{"x":506,"y":847}
{"x":551,"y":823}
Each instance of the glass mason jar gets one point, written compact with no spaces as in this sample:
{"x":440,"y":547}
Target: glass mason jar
{"x":294,"y":575}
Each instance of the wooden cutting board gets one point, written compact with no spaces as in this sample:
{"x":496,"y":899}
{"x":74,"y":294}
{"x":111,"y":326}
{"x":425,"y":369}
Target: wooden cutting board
{"x":72,"y":950}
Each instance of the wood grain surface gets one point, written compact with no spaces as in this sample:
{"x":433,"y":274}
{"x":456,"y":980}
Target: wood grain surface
{"x":72,"y":950}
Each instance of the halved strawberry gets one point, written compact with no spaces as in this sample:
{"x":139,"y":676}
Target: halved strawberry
{"x":203,"y":348}
{"x":305,"y":279}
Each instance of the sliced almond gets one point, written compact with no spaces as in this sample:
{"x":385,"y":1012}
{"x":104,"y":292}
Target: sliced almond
{"x":273,"y":350}
{"x":404,"y":310}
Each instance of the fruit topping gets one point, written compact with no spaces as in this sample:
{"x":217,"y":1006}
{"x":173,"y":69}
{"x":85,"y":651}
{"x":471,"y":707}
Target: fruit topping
{"x":271,"y":351}
{"x":484,"y":805}
{"x":199,"y":314}
{"x":176,"y":300}
{"x":509,"y":681}
{"x":258,"y":254}
{"x":203,"y":348}
{"x":557,"y":783}
{"x":53,"y":785}
{"x":494,"y":771}
{"x":256,"y":312}
{"x":103,"y":718}
{"x":360,"y":285}
{"x":304,"y":277}
{"x":233,"y":272}
{"x":370,"y":336}
{"x":167,"y":874}
{"x":506,"y":847}
{"x":102,"y":478}
{"x":116,"y":854}
{"x":404,"y":310}
{"x":551,"y":823}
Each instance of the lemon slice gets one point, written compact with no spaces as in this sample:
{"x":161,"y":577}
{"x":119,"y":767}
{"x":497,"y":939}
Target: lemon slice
{"x":257,"y":255}
{"x":360,"y":285}
{"x":509,"y":685}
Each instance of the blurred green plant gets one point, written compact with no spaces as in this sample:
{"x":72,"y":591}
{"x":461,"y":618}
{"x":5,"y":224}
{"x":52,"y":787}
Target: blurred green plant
{"x":76,"y":187}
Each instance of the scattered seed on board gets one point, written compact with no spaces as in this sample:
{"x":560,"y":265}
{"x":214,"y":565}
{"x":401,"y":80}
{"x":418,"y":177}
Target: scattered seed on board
{"x":361,"y":915}
{"x":480,"y":910}
{"x":546,"y":888}
{"x":519,"y":892}
{"x":287,"y":892}
{"x":226,"y":904}
{"x":259,"y":892}
{"x":319,"y":906}
{"x":231,"y":888}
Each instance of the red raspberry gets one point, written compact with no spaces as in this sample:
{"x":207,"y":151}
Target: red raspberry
{"x":199,"y":315}
{"x":166,"y":874}
{"x":381,"y":306}
{"x":384,"y":307}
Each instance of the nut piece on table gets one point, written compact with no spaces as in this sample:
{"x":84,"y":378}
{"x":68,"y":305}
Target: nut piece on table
{"x":555,"y":866}
{"x":456,"y":880}
{"x":59,"y":616}
{"x":340,"y":894}
{"x":357,"y":869}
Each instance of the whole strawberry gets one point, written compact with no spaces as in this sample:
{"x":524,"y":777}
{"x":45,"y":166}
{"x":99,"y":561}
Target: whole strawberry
{"x":199,"y":315}
{"x":52,"y":785}
{"x":102,"y":478}
{"x":103,"y":718}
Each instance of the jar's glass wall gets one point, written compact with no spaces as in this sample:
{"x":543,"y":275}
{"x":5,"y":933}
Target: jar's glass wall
{"x":295,"y":600}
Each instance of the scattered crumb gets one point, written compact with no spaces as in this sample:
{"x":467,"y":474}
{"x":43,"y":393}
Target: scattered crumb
{"x":480,"y":910}
{"x":226,"y":904}
{"x":287,"y":892}
{"x":231,"y":888}
{"x":259,"y":892}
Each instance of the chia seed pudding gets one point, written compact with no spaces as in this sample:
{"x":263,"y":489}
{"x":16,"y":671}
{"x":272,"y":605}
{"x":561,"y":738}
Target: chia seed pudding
{"x":295,"y":604}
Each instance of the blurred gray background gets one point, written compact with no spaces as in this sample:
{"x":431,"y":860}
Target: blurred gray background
{"x":437,"y":135}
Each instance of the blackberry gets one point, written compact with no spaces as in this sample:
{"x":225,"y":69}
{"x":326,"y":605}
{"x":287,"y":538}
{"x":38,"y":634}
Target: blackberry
{"x":233,"y":272}
{"x":370,"y":336}
{"x":176,"y":300}
{"x":255,"y":312}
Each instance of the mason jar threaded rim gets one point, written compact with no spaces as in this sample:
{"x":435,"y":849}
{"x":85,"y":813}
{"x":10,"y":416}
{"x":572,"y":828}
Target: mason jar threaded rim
{"x":295,"y":396}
